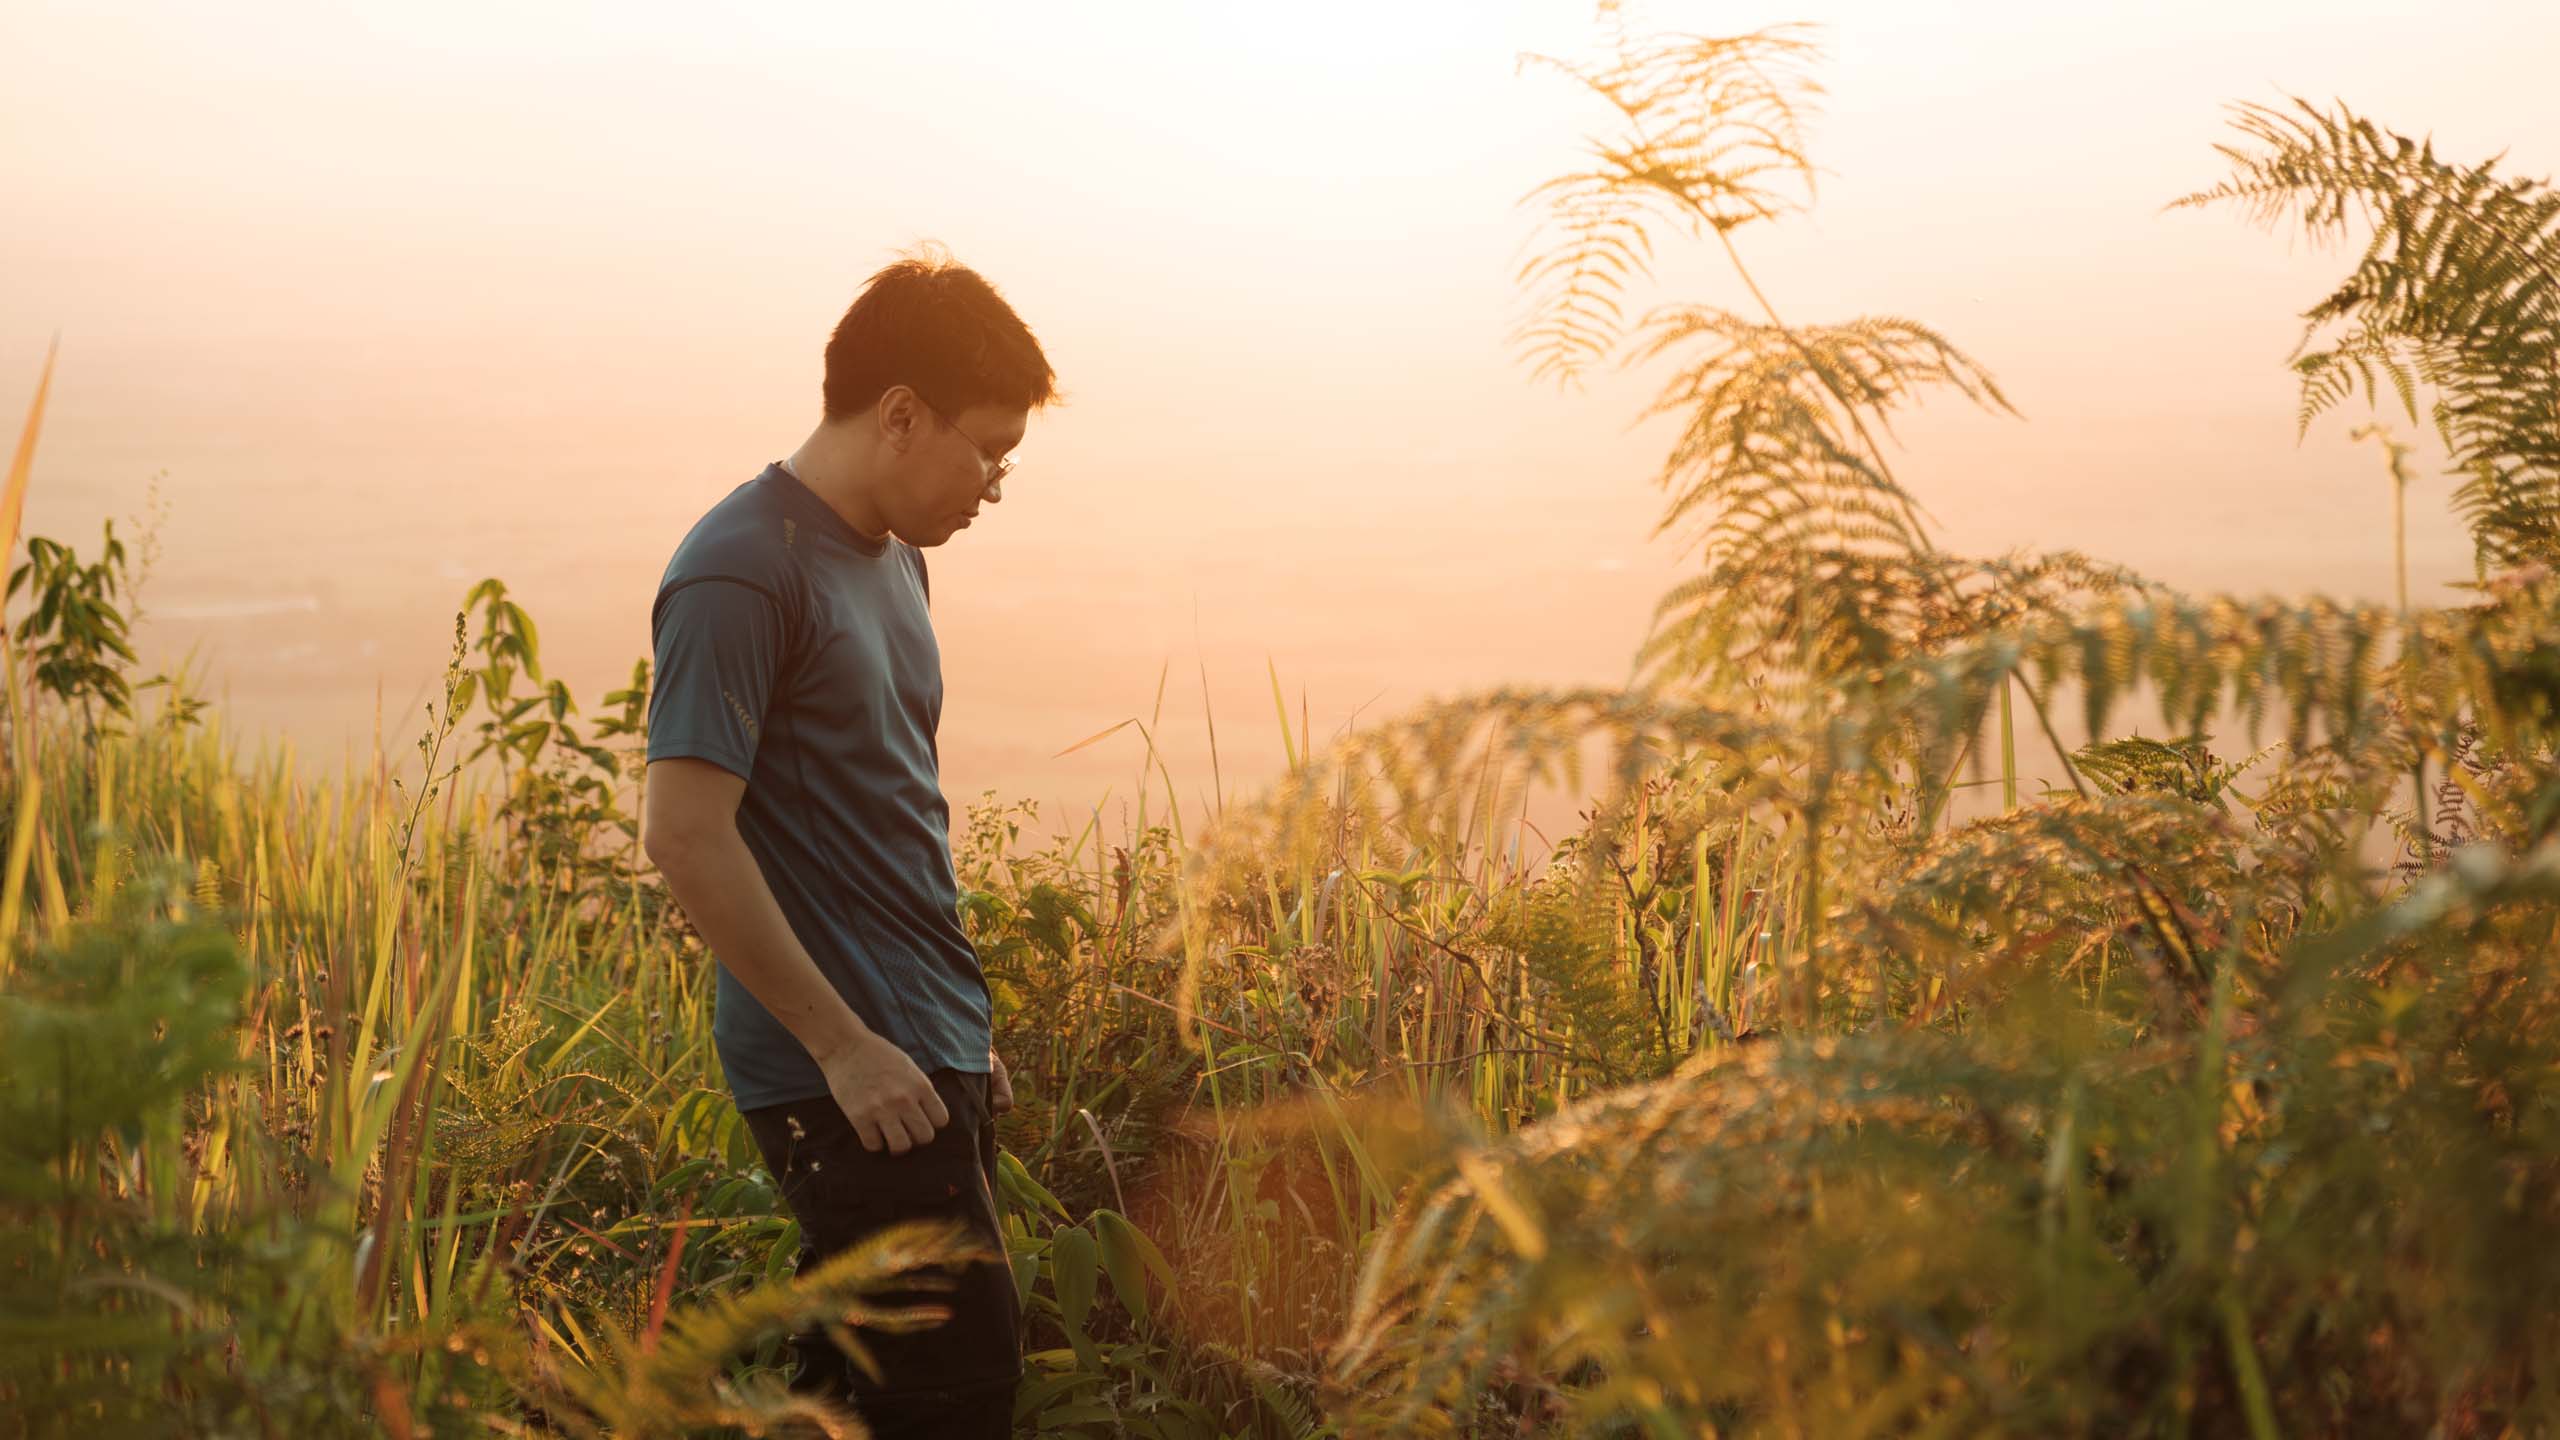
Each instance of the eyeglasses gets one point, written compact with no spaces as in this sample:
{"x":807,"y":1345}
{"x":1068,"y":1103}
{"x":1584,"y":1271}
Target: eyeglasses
{"x":997,"y":467}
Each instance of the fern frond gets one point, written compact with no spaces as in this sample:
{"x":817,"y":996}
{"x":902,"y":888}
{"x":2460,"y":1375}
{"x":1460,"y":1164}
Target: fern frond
{"x":1883,"y":1197}
{"x":1792,"y":614}
{"x":675,"y":1384}
{"x":2458,"y":285}
{"x":1710,"y":129}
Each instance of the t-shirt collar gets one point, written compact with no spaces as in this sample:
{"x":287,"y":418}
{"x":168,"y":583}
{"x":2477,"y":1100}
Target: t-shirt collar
{"x":820,"y":513}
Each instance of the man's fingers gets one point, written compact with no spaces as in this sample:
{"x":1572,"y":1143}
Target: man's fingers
{"x":916,"y":1128}
{"x":890,"y":1111}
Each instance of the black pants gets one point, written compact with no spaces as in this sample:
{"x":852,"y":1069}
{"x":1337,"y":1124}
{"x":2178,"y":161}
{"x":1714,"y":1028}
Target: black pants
{"x":952,"y":1380}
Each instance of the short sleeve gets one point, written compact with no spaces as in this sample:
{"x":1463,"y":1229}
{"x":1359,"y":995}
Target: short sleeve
{"x":718,"y":649}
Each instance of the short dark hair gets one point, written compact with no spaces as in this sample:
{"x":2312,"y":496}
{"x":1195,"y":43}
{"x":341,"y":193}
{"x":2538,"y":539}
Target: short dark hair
{"x":937,"y":327}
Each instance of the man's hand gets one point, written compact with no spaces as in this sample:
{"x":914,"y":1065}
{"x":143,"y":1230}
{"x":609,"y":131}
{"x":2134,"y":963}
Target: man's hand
{"x":884,"y":1095}
{"x":999,"y":1085}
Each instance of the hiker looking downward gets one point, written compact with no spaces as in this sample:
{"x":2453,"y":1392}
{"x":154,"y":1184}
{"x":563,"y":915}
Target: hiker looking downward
{"x":795,"y":808}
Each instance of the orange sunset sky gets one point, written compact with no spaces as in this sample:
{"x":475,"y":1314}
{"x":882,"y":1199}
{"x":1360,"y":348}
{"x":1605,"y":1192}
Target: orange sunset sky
{"x":399,"y":296}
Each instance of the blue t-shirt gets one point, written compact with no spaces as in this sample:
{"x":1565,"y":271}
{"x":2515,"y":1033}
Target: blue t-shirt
{"x":799,"y":656}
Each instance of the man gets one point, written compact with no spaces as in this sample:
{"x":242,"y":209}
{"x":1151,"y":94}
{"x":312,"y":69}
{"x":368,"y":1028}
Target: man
{"x":796,"y":811}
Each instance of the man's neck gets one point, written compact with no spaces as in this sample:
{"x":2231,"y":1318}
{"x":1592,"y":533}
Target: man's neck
{"x":831,"y":467}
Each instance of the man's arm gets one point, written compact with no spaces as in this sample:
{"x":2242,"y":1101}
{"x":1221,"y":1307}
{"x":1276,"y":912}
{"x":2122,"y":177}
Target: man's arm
{"x":690,"y":831}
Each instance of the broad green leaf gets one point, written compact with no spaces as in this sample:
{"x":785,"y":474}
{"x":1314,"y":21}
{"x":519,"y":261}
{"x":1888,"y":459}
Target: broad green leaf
{"x":1127,"y":1253}
{"x":1026,"y":1270}
{"x":1036,"y":1394}
{"x":786,"y":1249}
{"x":1018,"y":1186}
{"x":1072,"y":1257}
{"x":675,"y":1180}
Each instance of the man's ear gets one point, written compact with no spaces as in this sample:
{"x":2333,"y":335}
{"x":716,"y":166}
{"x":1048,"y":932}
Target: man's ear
{"x":900,"y":415}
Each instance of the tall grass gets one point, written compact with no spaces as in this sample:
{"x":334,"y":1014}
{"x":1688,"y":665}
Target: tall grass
{"x":482,"y":1102}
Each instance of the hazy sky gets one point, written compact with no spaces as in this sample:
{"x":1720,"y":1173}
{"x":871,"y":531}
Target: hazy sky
{"x":402,"y":296}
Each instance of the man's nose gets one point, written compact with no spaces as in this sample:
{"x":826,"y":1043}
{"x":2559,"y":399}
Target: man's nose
{"x":995,"y":492}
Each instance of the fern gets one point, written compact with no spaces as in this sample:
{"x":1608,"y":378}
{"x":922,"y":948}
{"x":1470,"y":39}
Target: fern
{"x":1772,"y":413}
{"x":1795,"y":615}
{"x":1780,"y":471}
{"x":674,"y":1381}
{"x":2457,"y":288}
{"x":1827,"y":1236}
{"x":2185,"y":769}
{"x":1710,"y":128}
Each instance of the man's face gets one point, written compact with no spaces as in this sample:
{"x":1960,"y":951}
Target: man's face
{"x":950,"y":468}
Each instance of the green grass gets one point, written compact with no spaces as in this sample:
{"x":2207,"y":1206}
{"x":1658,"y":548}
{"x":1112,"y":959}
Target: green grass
{"x":471,"y":1108}
{"x":486,"y":1103}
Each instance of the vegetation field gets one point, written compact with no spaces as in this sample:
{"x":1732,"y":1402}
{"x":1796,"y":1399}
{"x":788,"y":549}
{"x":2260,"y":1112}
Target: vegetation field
{"x":1829,"y":1080}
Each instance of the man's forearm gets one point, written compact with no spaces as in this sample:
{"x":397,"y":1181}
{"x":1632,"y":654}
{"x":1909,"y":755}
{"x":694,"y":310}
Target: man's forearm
{"x":724,"y":894}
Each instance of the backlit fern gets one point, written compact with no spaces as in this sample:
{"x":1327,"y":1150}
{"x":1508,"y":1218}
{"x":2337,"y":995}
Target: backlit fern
{"x":2457,"y":290}
{"x":2151,"y":1106}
